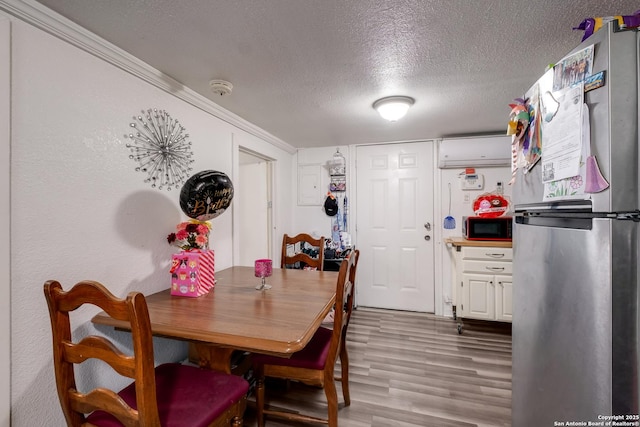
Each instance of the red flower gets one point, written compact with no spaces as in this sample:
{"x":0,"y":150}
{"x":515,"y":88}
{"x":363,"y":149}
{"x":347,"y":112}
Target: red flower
{"x":190,"y":235}
{"x":201,"y":240}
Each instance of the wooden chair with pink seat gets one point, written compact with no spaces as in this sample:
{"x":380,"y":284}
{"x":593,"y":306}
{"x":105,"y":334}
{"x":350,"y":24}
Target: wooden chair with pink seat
{"x":315,"y":364}
{"x":169,"y":395}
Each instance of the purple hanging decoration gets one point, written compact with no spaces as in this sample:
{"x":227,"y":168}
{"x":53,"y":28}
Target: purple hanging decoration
{"x":591,"y":25}
{"x":595,"y":182}
{"x":588,"y":26}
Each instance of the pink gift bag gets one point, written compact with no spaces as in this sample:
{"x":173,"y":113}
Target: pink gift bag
{"x":192,"y":273}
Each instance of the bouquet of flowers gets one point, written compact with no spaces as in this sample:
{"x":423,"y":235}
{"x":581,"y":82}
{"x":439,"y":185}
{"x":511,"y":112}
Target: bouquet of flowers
{"x":191,"y":235}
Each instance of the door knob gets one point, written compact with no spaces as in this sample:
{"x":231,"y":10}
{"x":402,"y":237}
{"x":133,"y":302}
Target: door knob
{"x":427,"y":226}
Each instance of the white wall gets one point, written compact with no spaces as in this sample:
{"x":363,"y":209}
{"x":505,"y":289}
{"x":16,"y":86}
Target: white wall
{"x":80,"y":211}
{"x":459,"y":208}
{"x":312,"y":219}
{"x":5,"y":220}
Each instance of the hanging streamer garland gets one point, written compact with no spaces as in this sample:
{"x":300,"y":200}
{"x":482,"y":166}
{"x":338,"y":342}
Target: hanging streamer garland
{"x":161,"y":149}
{"x":591,"y":25}
{"x":518,"y":129}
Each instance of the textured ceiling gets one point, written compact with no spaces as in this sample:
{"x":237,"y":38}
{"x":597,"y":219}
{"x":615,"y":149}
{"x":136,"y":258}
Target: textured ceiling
{"x":308,"y":71}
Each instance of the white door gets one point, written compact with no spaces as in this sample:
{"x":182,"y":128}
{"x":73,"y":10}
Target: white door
{"x":394,"y":226}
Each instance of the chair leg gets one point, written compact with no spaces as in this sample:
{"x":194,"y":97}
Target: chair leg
{"x":260,"y":400}
{"x":332,"y":401}
{"x":344,"y":374}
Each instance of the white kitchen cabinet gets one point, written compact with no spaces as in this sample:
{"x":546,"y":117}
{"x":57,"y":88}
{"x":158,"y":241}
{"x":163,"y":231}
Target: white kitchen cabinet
{"x":504,"y":298}
{"x":477,"y":296}
{"x":483,"y":286}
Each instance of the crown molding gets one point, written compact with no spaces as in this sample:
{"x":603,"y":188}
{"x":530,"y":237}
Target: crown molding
{"x":52,"y":23}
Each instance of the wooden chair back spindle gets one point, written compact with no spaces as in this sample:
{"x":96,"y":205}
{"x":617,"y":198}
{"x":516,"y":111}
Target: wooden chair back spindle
{"x":302,"y":258}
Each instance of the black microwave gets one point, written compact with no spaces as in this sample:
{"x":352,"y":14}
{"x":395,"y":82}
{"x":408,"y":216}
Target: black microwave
{"x":483,"y":228}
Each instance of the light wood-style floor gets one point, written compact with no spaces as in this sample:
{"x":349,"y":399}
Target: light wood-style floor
{"x":412,"y":369}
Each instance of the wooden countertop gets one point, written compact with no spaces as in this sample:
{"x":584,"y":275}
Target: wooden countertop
{"x":461,"y":241}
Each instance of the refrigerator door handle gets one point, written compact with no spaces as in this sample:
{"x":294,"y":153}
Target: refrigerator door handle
{"x":629,"y":216}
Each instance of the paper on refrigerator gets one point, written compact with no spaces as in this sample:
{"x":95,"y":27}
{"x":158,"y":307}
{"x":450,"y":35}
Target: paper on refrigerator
{"x":573,"y":187}
{"x":562,"y":133}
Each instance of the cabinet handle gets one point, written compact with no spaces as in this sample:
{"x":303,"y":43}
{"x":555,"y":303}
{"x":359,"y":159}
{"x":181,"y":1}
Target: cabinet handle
{"x":495,"y":268}
{"x":495,"y":255}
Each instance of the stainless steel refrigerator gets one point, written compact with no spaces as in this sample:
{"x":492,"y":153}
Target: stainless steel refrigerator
{"x":575,"y":320}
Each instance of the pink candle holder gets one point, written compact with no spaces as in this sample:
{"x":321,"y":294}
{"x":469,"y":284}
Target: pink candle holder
{"x":263,"y":269}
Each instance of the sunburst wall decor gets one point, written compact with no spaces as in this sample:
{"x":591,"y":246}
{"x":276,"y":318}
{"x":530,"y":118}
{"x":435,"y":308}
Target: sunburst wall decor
{"x":161,"y":149}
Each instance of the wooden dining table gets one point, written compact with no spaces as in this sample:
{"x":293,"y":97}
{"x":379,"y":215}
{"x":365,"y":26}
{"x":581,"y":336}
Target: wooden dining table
{"x":235,"y":316}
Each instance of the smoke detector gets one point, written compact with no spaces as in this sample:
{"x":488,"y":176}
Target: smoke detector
{"x":220,"y":87}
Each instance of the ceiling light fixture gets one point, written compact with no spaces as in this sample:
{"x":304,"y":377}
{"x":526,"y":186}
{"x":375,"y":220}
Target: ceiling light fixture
{"x":393,"y":108}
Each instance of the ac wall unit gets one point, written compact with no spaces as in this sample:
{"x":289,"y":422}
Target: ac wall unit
{"x":474,"y":152}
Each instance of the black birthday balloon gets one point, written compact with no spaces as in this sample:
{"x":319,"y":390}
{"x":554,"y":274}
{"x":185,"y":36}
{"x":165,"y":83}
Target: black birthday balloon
{"x":206,"y":195}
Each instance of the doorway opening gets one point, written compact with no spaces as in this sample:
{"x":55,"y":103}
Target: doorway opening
{"x":255,"y":208}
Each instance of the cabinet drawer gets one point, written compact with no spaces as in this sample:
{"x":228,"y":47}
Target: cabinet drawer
{"x":487,"y":253}
{"x":487,"y":267}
